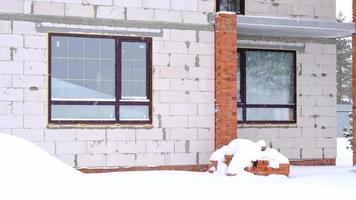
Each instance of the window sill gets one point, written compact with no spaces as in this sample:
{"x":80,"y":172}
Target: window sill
{"x":267,"y":126}
{"x":98,"y":126}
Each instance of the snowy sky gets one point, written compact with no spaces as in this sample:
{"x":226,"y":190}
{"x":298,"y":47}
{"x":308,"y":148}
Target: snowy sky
{"x":346,"y":7}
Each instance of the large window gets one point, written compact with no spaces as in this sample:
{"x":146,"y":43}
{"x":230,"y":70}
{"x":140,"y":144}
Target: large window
{"x":236,"y":6}
{"x":266,"y":86}
{"x":99,"y":79}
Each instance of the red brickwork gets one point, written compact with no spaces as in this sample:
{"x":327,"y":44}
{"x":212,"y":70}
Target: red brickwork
{"x":260,"y":167}
{"x":320,"y":162}
{"x":225,"y":79}
{"x":354,"y":82}
{"x":194,"y":168}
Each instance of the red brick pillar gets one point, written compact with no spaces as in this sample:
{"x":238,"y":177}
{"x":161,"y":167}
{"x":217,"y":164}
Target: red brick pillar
{"x":354,"y":83}
{"x":225,"y":79}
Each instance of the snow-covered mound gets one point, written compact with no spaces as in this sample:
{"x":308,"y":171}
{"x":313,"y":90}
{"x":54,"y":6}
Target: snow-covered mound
{"x":243,"y":153}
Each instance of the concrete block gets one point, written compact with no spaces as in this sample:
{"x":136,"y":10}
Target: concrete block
{"x":5,"y":81}
{"x":181,"y":146}
{"x":35,"y":121}
{"x":128,"y":3}
{"x":168,"y":16}
{"x":5,"y":108}
{"x":152,"y":159}
{"x":71,"y":147}
{"x":182,"y":158}
{"x":49,"y":147}
{"x":20,"y":27}
{"x":206,"y":6}
{"x":201,"y":48}
{"x":70,"y":1}
{"x":183,"y":60}
{"x":174,"y":97}
{"x":290,"y":132}
{"x":206,"y":37}
{"x":161,"y":59}
{"x":11,"y":94}
{"x":101,"y":147}
{"x":76,"y":10}
{"x":121,"y":160}
{"x":34,"y":135}
{"x":304,"y":143}
{"x":206,"y":109}
{"x":149,"y":134}
{"x":206,"y":134}
{"x":183,"y":35}
{"x":259,"y":7}
{"x":203,"y":158}
{"x":131,"y":147}
{"x":183,"y":84}
{"x":68,"y":159}
{"x":35,"y":68}
{"x":325,"y":59}
{"x":195,"y":17}
{"x":202,"y":73}
{"x":174,"y":121}
{"x":5,"y":26}
{"x":312,"y":153}
{"x":311,"y":132}
{"x":206,"y":85}
{"x":27,"y":81}
{"x":60,"y":135}
{"x":110,"y":12}
{"x":28,"y":108}
{"x":98,"y":2}
{"x":173,"y":47}
{"x":48,"y":8}
{"x":330,"y":152}
{"x":291,"y":153}
{"x":34,"y":95}
{"x":183,"y":109}
{"x":206,"y":61}
{"x":12,"y":6}
{"x":185,"y":5}
{"x":11,"y":121}
{"x":11,"y":40}
{"x":90,"y":135}
{"x":157,"y":4}
{"x":96,"y":160}
{"x":183,"y":134}
{"x":326,"y":142}
{"x":32,"y":41}
{"x":303,"y":10}
{"x":201,"y":146}
{"x":325,"y":11}
{"x":159,"y":146}
{"x":27,"y":54}
{"x":282,"y":142}
{"x":11,"y":67}
{"x":161,"y":108}
{"x":121,"y":134}
{"x":201,"y":97}
{"x":140,"y":14}
{"x":329,"y":132}
{"x":5,"y":54}
{"x":161,"y":84}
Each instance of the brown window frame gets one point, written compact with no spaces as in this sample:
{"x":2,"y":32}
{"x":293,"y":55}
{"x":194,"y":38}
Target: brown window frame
{"x":118,"y":101}
{"x":243,"y":105}
{"x":242,"y":7}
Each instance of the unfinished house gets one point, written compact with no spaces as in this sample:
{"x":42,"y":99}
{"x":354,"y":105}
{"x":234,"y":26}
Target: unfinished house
{"x":160,"y":84}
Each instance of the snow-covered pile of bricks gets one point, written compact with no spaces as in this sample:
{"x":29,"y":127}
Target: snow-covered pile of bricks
{"x":242,"y":156}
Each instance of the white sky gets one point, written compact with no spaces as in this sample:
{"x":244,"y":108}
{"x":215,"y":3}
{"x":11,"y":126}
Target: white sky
{"x":346,"y":7}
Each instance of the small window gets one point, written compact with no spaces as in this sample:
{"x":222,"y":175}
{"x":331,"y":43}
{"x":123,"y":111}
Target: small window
{"x":266,"y":86}
{"x":237,"y":6}
{"x":99,"y":79}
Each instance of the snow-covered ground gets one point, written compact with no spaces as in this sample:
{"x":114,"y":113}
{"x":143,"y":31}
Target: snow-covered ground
{"x":26,"y":172}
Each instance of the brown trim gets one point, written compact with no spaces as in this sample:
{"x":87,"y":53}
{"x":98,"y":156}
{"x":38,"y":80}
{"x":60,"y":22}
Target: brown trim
{"x":117,"y":103}
{"x":242,"y":7}
{"x":244,"y":106}
{"x":194,"y":168}
{"x":314,"y":162}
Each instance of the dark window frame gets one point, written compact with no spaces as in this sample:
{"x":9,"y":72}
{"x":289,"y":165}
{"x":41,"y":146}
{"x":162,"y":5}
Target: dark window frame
{"x":242,"y":7}
{"x":118,"y":101}
{"x":244,"y":106}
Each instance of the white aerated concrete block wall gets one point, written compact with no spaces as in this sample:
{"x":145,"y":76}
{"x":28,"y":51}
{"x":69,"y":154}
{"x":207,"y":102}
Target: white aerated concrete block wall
{"x":304,"y":9}
{"x":183,"y":81}
{"x":314,"y":135}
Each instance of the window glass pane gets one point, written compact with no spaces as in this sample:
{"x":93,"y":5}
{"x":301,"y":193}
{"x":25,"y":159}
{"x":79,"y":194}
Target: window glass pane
{"x":269,"y":77}
{"x":83,"y":112}
{"x":134,"y":112}
{"x":58,"y":46}
{"x":230,"y":5}
{"x":269,"y":114}
{"x":80,"y":72}
{"x":133,"y":71}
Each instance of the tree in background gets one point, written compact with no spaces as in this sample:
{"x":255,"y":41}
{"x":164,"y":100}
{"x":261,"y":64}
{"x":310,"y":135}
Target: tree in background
{"x":348,"y":132}
{"x":344,"y":66}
